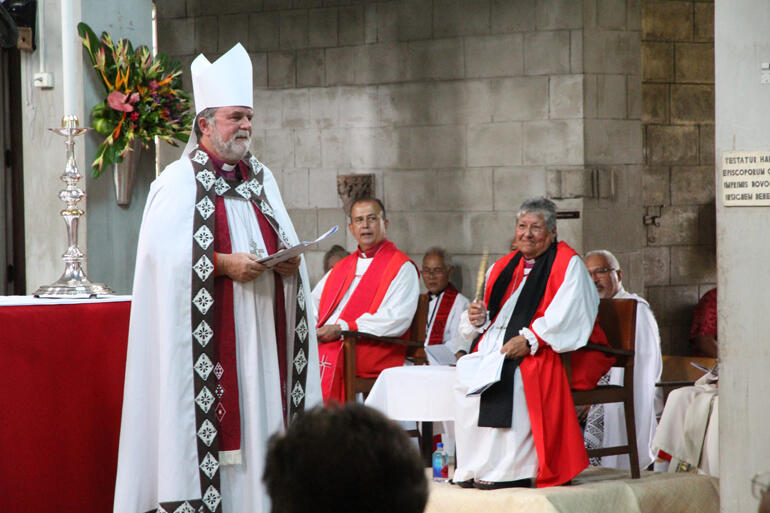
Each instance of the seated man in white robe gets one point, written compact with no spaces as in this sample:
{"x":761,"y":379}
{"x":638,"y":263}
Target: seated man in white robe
{"x":606,"y":424}
{"x":538,"y":301}
{"x":445,"y":303}
{"x":373,"y":290}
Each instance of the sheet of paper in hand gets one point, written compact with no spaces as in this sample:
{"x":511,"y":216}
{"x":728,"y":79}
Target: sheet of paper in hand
{"x":289,"y":253}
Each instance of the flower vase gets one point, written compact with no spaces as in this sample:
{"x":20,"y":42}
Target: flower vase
{"x":124,"y":172}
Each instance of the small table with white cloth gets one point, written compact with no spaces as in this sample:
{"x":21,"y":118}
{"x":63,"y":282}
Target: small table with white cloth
{"x":420,"y":393}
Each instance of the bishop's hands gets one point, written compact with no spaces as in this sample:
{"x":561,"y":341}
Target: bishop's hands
{"x":329,"y":333}
{"x":287,"y":267}
{"x":517,"y":347}
{"x":477,"y":313}
{"x":241,"y":267}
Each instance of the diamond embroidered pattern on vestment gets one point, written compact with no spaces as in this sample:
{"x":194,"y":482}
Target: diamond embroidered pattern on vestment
{"x":206,"y":178}
{"x":203,"y":267}
{"x":201,"y":158}
{"x":209,"y":465}
{"x":203,"y":333}
{"x":205,"y":207}
{"x":300,"y":361}
{"x":211,"y":498}
{"x":203,"y":301}
{"x":219,"y":370}
{"x":185,"y":508}
{"x":244,"y":190}
{"x":205,"y":399}
{"x":302,"y":329}
{"x":204,"y":366}
{"x":221,"y":186}
{"x":204,"y":237}
{"x":297,"y":394}
{"x":221,"y":412}
{"x":207,"y":432}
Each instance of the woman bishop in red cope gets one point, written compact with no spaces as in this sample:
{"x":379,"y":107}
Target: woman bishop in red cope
{"x":539,"y":301}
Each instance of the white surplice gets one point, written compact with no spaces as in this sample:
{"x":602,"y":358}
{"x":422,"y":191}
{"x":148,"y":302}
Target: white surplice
{"x":451,"y":337}
{"x":158,"y":455}
{"x":648,"y":399}
{"x":507,"y":454}
{"x":395,"y":313}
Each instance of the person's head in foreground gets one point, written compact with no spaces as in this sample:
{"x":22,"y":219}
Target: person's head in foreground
{"x":535,"y":227}
{"x":344,"y":459}
{"x":605,"y":272}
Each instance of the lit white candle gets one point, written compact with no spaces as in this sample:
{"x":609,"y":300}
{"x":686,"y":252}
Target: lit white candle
{"x":68,"y":37}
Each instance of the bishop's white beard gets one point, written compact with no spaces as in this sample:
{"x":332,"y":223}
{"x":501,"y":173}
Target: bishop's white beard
{"x":235,"y":148}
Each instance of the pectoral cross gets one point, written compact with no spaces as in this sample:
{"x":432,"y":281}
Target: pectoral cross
{"x":324,"y":363}
{"x":254,"y":250}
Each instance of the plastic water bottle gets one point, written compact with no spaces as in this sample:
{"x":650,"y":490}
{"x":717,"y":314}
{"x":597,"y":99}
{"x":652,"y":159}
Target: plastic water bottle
{"x":440,"y":464}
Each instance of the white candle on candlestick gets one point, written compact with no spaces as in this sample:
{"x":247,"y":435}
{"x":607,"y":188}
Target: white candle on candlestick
{"x":68,"y":56}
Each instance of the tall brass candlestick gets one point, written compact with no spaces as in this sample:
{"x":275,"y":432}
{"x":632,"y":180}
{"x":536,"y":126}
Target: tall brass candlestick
{"x":481,"y":275}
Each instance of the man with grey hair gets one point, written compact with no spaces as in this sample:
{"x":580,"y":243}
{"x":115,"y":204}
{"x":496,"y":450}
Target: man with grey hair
{"x":515,"y":419}
{"x":605,"y":424}
{"x":445,"y":303}
{"x":222,"y":349}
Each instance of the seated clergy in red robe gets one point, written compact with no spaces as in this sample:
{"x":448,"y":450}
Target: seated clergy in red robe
{"x":539,"y":301}
{"x":374,"y":290}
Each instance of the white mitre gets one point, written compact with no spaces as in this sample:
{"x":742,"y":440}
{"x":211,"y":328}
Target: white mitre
{"x":226,"y":82}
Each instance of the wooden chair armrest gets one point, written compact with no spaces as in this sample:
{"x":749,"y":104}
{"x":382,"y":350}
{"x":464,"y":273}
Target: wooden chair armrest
{"x":664,"y":384}
{"x":608,"y":350}
{"x":390,"y":340}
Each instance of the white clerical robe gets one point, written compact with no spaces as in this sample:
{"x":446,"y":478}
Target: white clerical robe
{"x":158,"y":455}
{"x":393,"y":317}
{"x":451,"y":337}
{"x":648,"y":399}
{"x":508,"y":454}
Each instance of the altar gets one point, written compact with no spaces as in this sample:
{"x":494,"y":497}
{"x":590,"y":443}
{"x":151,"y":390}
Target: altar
{"x":62,"y":390}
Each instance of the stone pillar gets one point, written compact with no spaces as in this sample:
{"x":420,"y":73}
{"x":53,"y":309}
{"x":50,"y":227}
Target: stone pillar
{"x":742,"y":104}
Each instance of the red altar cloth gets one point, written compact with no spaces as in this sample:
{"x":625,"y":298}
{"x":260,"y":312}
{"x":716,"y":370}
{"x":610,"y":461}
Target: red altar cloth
{"x":61,"y":390}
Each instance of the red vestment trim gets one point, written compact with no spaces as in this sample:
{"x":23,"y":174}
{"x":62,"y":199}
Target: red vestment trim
{"x":441,"y":316}
{"x":558,"y":440}
{"x":371,"y":357}
{"x":228,"y":406}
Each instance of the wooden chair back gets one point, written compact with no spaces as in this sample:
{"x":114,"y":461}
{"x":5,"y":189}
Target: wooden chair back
{"x":617,"y":318}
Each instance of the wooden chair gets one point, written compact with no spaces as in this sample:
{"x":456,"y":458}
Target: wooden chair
{"x":617,"y":317}
{"x":415,"y":353}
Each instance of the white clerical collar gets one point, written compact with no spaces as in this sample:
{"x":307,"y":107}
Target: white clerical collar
{"x":228,"y":167}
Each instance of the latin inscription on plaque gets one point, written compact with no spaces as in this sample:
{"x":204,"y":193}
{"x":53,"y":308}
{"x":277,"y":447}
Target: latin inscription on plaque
{"x":745,"y":178}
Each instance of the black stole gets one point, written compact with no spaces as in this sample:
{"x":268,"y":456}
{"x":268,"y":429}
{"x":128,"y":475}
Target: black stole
{"x":496,"y":405}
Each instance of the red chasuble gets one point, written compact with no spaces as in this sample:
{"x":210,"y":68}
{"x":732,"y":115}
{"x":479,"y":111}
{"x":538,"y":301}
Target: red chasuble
{"x":441,"y":315}
{"x":558,"y":440}
{"x":371,"y":357}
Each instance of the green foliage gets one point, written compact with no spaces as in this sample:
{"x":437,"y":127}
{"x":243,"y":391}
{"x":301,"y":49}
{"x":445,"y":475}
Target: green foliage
{"x":144,"y":97}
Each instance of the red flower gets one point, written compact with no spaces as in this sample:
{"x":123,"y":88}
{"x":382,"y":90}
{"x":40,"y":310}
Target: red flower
{"x":134,"y":116}
{"x":153,"y":85}
{"x":117,"y":101}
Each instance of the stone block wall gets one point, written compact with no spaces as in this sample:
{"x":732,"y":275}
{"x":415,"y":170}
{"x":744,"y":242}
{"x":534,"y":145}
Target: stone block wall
{"x":460,"y":108}
{"x":678,"y":178}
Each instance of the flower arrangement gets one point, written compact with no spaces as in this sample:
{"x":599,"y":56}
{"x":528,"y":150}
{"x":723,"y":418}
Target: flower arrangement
{"x":144,"y":97}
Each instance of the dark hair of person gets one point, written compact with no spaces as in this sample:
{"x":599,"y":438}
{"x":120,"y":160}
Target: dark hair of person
{"x":367,"y":199}
{"x":335,"y":250}
{"x":344,"y":459}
